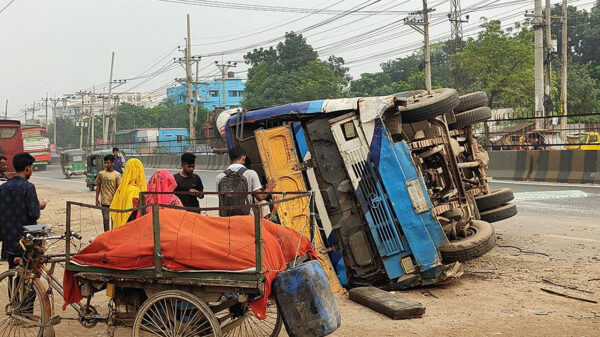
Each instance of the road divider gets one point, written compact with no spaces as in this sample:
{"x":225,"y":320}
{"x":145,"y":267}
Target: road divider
{"x":563,"y":166}
{"x":172,"y":161}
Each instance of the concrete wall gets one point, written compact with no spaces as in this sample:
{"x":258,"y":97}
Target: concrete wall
{"x":171,"y":161}
{"x":563,"y":166}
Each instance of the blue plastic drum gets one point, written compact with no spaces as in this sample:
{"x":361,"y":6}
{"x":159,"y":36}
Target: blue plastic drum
{"x":305,"y":301}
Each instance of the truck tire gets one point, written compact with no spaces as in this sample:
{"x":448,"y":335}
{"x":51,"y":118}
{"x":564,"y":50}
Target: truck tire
{"x":428,"y":106}
{"x":471,"y":101}
{"x":500,"y":213}
{"x":471,"y":117}
{"x":496,"y":198}
{"x":481,"y":240}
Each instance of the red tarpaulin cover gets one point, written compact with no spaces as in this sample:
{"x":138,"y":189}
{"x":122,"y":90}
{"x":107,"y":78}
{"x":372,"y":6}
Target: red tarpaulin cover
{"x":190,"y":241}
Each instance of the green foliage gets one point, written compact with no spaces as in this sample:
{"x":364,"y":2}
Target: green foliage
{"x":406,"y":73}
{"x":67,"y":133}
{"x":501,"y":63}
{"x":584,"y":91}
{"x":292,"y":72}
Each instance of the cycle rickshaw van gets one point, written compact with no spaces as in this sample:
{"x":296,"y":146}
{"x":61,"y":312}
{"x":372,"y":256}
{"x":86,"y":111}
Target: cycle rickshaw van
{"x":372,"y":205}
{"x":73,"y":162}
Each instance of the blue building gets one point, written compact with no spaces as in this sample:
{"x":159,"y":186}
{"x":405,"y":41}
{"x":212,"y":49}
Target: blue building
{"x":210,"y":93}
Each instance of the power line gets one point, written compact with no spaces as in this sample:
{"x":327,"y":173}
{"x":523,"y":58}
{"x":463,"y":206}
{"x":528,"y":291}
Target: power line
{"x":7,"y":5}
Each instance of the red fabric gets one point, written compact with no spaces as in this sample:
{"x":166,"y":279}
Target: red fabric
{"x":162,"y":181}
{"x":190,"y":241}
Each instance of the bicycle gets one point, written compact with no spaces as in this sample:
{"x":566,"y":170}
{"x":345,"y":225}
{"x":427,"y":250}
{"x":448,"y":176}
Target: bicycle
{"x":29,"y":302}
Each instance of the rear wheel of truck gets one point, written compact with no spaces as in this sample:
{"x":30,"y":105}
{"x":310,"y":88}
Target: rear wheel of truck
{"x":496,"y":198}
{"x":500,"y":213}
{"x":427,"y":106}
{"x":480,"y":240}
{"x":470,"y":101}
{"x":470,"y":117}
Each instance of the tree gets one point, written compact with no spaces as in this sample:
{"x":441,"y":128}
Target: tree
{"x":292,"y":72}
{"x":584,"y":91}
{"x":500,"y":62}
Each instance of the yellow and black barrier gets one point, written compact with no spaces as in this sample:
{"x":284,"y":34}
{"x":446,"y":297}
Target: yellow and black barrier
{"x":563,"y":166}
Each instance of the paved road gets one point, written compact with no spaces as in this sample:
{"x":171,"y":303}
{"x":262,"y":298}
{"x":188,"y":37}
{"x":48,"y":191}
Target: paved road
{"x":560,"y":220}
{"x":53,"y":177}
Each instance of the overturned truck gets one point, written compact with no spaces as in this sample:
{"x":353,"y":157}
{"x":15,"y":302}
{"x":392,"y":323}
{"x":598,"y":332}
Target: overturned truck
{"x":399,"y":181}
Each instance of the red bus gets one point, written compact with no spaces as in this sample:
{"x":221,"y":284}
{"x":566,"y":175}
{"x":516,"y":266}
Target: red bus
{"x":11,"y":140}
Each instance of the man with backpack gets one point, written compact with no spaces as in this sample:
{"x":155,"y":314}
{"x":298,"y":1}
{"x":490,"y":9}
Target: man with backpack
{"x":238,"y":178}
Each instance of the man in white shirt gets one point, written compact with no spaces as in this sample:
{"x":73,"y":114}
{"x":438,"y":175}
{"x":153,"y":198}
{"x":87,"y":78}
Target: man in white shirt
{"x":238,"y":178}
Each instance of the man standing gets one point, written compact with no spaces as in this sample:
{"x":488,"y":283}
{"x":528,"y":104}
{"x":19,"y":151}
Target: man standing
{"x":19,"y":206}
{"x":107,"y":182}
{"x":3,"y":167}
{"x":238,"y":178}
{"x":188,"y":181}
{"x":119,"y":160}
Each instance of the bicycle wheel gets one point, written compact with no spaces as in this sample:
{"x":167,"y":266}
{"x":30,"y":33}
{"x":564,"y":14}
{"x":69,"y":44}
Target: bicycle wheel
{"x":26,"y":311}
{"x":175,"y":313}
{"x":252,"y":326}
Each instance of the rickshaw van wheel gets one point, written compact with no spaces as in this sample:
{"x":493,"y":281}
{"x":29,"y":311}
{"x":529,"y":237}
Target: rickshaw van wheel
{"x":175,"y":313}
{"x":252,"y":326}
{"x":481,"y":239}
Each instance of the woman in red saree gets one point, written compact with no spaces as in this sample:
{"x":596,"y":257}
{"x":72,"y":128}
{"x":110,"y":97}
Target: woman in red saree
{"x":162,"y":181}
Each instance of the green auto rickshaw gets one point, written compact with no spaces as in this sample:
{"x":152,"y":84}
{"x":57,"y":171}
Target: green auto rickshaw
{"x":95,"y":164}
{"x":72,"y":162}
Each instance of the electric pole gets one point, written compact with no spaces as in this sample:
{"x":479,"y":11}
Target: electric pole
{"x":188,"y":76}
{"x":105,"y":122}
{"x":456,"y":21}
{"x":417,"y":20}
{"x":46,"y":99}
{"x":563,"y":80}
{"x":196,"y":96}
{"x":548,"y":63}
{"x":224,"y":68}
{"x":6,"y":109}
{"x":54,"y":103}
{"x":538,"y":25}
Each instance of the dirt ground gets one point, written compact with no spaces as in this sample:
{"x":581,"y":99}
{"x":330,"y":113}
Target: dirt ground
{"x":498,"y":295}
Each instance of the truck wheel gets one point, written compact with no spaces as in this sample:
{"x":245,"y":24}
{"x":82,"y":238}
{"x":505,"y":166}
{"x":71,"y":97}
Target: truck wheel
{"x":496,"y":198}
{"x":481,"y":239}
{"x":470,"y":101}
{"x":428,"y":106}
{"x":501,"y":213}
{"x":471,"y":117}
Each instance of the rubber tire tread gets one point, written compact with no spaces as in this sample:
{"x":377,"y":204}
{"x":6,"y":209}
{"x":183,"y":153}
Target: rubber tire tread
{"x":475,"y":246}
{"x":471,"y":117}
{"x":496,"y":198}
{"x":501,"y":213}
{"x":470,"y":101}
{"x":444,"y":101}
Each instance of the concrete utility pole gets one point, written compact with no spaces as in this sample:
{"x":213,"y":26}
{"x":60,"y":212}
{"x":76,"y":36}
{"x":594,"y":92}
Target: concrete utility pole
{"x":46,"y":99}
{"x":6,"y":109}
{"x":188,"y":77}
{"x":196,"y":96}
{"x":54,"y":103}
{"x":548,"y":63}
{"x":224,"y":68}
{"x":563,"y":80}
{"x":539,"y":64}
{"x":416,"y":23}
{"x":105,"y":122}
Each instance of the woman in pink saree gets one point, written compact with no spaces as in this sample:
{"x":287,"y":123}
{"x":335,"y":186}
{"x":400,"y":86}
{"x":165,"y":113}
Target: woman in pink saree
{"x":162,"y":181}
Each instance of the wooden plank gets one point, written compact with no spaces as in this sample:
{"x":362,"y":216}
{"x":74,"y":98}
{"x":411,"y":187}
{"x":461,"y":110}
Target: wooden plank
{"x":393,"y":306}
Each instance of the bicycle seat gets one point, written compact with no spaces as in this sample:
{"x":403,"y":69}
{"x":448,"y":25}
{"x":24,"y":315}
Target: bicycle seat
{"x":37,"y":230}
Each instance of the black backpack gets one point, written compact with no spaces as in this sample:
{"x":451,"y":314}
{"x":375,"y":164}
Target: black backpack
{"x":234,"y":181}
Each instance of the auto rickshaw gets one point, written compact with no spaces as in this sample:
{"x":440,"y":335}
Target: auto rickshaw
{"x":73,"y":163}
{"x":95,"y":164}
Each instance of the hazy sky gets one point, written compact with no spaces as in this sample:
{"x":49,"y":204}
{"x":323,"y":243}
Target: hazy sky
{"x":62,"y":46}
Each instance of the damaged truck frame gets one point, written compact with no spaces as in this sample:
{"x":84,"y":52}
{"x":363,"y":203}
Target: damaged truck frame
{"x":397,"y":188}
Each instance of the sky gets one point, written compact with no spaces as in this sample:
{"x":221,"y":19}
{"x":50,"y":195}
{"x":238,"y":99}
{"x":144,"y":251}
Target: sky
{"x":56,"y":47}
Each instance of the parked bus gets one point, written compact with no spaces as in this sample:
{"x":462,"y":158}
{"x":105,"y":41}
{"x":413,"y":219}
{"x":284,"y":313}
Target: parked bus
{"x":11,"y":140}
{"x":36,"y":143}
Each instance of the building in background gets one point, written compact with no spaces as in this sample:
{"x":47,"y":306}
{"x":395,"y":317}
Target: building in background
{"x":152,"y":140}
{"x":71,"y":104}
{"x":210,"y":93}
